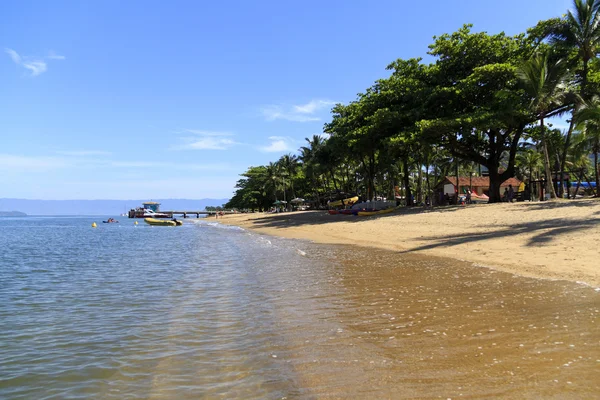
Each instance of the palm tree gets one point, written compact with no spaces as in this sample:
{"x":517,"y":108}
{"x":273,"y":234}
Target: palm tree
{"x":545,"y":82}
{"x":289,"y":166}
{"x":272,"y":178}
{"x":308,"y":156}
{"x":588,"y":118}
{"x":529,"y":161}
{"x":581,"y":31}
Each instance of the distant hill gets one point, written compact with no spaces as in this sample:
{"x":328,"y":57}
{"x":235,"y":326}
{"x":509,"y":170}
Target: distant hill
{"x":100,"y":207}
{"x":12,"y":214}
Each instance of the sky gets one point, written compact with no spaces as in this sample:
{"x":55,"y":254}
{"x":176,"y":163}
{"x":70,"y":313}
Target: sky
{"x":154,"y":99}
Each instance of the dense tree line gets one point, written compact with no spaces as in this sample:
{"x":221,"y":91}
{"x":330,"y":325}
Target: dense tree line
{"x":484,"y":101}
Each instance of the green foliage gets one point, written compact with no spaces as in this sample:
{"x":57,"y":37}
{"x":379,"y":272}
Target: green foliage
{"x":474,"y":106}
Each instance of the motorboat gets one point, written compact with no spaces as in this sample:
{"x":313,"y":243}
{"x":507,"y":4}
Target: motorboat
{"x":162,"y":222}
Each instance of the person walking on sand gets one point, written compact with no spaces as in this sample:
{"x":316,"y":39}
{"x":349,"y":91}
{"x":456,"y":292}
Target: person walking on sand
{"x":511,"y":193}
{"x":505,"y":195}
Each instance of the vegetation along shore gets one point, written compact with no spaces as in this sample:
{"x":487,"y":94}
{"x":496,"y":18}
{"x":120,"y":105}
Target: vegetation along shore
{"x":498,"y":110}
{"x":487,"y":105}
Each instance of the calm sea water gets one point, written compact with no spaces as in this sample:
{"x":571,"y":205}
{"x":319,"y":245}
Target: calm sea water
{"x":208,"y":311}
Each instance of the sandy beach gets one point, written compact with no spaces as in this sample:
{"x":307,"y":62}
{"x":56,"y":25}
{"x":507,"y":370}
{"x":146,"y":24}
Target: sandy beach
{"x":553,"y":240}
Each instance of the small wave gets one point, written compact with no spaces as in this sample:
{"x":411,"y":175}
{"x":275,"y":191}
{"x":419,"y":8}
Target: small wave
{"x":302,"y":253}
{"x":218,"y":225}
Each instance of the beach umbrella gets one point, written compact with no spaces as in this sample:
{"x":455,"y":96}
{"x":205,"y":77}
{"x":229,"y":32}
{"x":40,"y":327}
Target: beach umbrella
{"x":297,"y":200}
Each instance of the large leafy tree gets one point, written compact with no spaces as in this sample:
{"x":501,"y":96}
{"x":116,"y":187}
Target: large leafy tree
{"x":477,"y":110}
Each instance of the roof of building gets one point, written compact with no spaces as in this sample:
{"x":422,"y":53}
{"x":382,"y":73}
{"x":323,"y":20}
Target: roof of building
{"x":477,"y":181}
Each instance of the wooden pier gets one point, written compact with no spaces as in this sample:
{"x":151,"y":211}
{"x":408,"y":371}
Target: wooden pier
{"x":171,"y":214}
{"x":154,"y":207}
{"x":186,"y":214}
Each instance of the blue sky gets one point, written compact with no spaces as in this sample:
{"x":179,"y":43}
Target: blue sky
{"x":154,"y":99}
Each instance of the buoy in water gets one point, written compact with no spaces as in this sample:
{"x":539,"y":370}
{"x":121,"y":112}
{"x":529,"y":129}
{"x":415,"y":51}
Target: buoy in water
{"x":93,"y":224}
{"x":135,"y":223}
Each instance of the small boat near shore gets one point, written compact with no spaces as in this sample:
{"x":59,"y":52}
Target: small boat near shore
{"x":375,"y":212}
{"x":162,"y":222}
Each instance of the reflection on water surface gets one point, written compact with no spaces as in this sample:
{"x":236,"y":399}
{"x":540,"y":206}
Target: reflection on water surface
{"x":209,"y":311}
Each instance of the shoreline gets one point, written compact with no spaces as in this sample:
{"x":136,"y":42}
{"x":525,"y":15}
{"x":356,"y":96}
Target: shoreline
{"x":555,"y":240}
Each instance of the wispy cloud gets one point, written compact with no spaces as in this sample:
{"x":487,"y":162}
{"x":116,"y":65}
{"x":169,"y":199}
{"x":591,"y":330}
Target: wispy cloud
{"x":35,"y":65}
{"x":297,"y":113}
{"x":14,"y":55}
{"x":83,"y":153}
{"x":171,"y":165}
{"x":21,"y":163}
{"x":25,"y":163}
{"x":206,"y":140}
{"x":53,"y":56}
{"x":279,"y":144}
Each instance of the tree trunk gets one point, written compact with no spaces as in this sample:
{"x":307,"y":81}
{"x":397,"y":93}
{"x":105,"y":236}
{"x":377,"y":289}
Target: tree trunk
{"x":419,"y":185}
{"x":597,"y":175}
{"x":530,"y":184}
{"x":429,"y":194}
{"x":578,"y":183}
{"x":548,"y":171}
{"x":457,"y":180}
{"x":563,"y":158}
{"x":371,"y":176}
{"x":495,"y":182}
{"x":407,"y":193}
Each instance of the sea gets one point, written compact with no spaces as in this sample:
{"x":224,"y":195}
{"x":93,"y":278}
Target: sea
{"x":208,"y":311}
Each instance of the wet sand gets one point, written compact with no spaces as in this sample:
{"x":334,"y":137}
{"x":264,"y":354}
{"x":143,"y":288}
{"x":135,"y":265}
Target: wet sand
{"x":554,"y":240}
{"x":403,"y":326}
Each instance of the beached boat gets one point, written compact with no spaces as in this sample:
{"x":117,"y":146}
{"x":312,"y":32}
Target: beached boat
{"x":162,"y":222}
{"x":349,"y":212}
{"x":375,"y":212}
{"x":345,"y":202}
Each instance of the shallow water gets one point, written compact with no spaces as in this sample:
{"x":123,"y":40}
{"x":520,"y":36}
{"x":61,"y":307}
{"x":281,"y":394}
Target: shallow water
{"x":208,"y":311}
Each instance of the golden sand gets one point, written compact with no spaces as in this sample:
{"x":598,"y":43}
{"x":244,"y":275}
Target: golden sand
{"x":555,"y":240}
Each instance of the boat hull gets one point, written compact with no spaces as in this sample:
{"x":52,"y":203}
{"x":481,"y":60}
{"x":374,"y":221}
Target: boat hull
{"x":161,"y":222}
{"x":379,"y":212}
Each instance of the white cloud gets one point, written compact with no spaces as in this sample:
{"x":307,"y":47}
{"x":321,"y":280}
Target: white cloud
{"x":35,"y":66}
{"x":53,"y":56}
{"x":313,"y":106}
{"x":297,"y":113}
{"x":206,"y":140}
{"x":209,"y":143}
{"x":279,"y":144}
{"x":14,"y":55}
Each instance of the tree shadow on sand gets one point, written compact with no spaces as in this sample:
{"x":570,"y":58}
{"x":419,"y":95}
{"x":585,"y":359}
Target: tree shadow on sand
{"x":301,"y":218}
{"x":551,"y":205}
{"x":544,"y":232}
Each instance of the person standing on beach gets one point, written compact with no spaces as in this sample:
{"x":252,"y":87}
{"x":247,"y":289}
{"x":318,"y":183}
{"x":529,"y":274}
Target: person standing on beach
{"x":511,"y":193}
